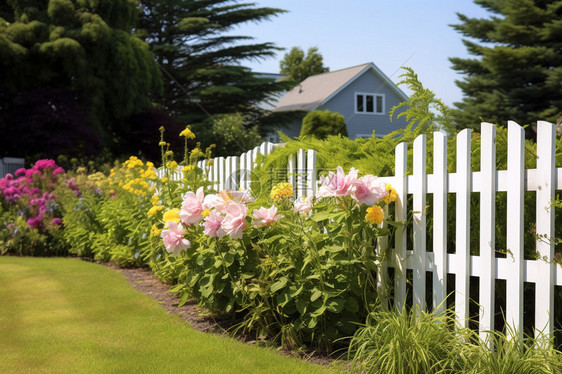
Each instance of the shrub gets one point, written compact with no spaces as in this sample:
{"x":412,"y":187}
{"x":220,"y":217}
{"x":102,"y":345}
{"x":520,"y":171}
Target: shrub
{"x":321,"y":123}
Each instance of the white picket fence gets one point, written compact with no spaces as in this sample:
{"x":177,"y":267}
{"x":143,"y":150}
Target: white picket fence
{"x":233,"y":173}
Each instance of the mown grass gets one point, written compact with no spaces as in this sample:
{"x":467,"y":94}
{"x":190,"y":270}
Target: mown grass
{"x":65,"y":315}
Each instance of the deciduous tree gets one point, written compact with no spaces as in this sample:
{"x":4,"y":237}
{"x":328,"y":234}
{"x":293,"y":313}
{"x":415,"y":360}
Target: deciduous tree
{"x":298,"y":67}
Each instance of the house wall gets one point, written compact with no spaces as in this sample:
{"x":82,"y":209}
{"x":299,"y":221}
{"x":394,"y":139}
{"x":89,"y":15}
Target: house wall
{"x":363,"y":124}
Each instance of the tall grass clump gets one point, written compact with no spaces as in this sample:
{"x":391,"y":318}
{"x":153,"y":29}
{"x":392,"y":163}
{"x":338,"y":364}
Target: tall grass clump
{"x":406,"y":342}
{"x":420,"y":342}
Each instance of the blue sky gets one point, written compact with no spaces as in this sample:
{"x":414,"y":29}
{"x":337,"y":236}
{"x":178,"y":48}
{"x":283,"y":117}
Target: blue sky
{"x":391,"y":34}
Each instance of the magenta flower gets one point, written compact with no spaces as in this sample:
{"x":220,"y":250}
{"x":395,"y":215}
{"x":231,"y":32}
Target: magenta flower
{"x":56,"y":221}
{"x":191,"y":207}
{"x":213,"y":225}
{"x":35,"y":222}
{"x":368,"y":190}
{"x":45,"y":164}
{"x":58,"y":170}
{"x":173,"y":238}
{"x":265,"y":216}
{"x":234,"y":221}
{"x":20,"y":172}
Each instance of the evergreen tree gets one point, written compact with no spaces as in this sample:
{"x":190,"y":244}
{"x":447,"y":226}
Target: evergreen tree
{"x":298,"y":67}
{"x":517,"y":72}
{"x":86,"y":47}
{"x":201,"y":61}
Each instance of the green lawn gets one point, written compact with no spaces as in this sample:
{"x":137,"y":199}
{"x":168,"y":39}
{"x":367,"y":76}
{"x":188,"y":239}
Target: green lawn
{"x":64,"y":315}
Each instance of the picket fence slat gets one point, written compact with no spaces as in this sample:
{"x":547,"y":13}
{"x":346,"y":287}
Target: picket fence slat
{"x":515,"y":201}
{"x":463,"y":227}
{"x":546,"y":149}
{"x":487,"y":179}
{"x":440,"y":221}
{"x":301,"y":178}
{"x":311,"y":174}
{"x":401,"y":206}
{"x":419,"y":216}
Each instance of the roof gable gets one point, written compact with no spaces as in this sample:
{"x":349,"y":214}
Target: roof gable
{"x":318,"y":89}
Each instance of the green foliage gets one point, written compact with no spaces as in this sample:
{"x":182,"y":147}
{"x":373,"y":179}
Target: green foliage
{"x":516,"y":72}
{"x":298,"y":67}
{"x":86,"y":47}
{"x":424,"y":112}
{"x":312,"y":287}
{"x":321,"y":123}
{"x":235,"y":135}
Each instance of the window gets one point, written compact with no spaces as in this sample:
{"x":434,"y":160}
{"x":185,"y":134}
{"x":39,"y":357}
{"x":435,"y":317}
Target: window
{"x":369,"y":103}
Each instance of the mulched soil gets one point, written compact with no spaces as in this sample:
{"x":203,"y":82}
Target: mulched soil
{"x":144,"y":281}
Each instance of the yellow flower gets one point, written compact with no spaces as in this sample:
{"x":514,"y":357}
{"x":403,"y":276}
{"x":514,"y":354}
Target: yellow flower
{"x":205,"y":213}
{"x":164,"y":179}
{"x":172,"y":215}
{"x":81,"y":170}
{"x":155,"y":231}
{"x":162,"y":144}
{"x":187,"y":168}
{"x":187,"y":133}
{"x":172,"y":165}
{"x":281,"y":191}
{"x":375,"y":214}
{"x":391,"y":195}
{"x":210,"y":162}
{"x":196,"y":151}
{"x":155,"y":209}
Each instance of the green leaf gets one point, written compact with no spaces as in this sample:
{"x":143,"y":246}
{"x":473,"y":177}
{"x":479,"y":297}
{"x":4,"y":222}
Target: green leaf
{"x":279,"y":284}
{"x":335,"y":305}
{"x":318,"y":312}
{"x":302,"y":306}
{"x":228,"y":259}
{"x":315,"y":295}
{"x":283,"y":298}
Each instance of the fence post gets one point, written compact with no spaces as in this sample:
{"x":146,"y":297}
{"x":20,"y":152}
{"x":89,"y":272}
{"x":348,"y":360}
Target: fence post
{"x":311,"y":173}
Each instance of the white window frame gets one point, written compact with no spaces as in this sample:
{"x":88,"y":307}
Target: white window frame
{"x":364,"y":111}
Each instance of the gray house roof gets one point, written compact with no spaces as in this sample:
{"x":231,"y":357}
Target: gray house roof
{"x":320,"y":88}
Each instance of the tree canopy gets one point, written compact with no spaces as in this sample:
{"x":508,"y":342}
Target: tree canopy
{"x":200,"y":58}
{"x":298,"y":67}
{"x":517,"y":70}
{"x":85,"y":47}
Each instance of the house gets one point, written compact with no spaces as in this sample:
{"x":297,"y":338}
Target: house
{"x":363,"y":94}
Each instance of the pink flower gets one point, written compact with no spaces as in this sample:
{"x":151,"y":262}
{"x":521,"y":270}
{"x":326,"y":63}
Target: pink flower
{"x":212,"y":225}
{"x":173,"y":238}
{"x":234,"y":221}
{"x":265,"y":216}
{"x":191,"y":207}
{"x":56,"y":221}
{"x":58,"y":171}
{"x":302,"y":205}
{"x":368,"y":190}
{"x":20,"y":172}
{"x":338,"y":184}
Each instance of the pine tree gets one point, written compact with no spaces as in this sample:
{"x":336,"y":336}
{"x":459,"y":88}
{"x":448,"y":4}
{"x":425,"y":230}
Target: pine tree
{"x":201,"y":62}
{"x":517,"y":72}
{"x":86,"y":47}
